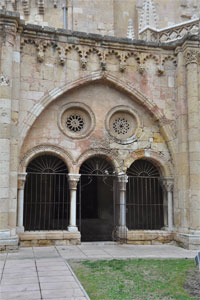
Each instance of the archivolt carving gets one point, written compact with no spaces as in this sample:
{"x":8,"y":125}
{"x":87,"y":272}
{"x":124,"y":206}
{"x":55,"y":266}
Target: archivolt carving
{"x":151,"y":56}
{"x":169,"y":58}
{"x":109,"y":154}
{"x":159,"y":159}
{"x":41,"y":149}
{"x":103,"y":54}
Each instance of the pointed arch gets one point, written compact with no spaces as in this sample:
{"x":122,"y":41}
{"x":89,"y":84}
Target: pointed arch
{"x":120,"y":84}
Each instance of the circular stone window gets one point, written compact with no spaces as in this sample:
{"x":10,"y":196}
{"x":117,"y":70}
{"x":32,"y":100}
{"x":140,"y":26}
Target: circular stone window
{"x":76,"y":120}
{"x":123,"y":124}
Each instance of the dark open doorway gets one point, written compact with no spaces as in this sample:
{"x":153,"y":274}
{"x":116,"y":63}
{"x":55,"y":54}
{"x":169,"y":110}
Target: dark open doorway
{"x":96,"y":200}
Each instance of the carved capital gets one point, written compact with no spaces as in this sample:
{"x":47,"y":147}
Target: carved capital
{"x":168,"y":184}
{"x":21,"y":180}
{"x":122,"y":181}
{"x":191,"y":56}
{"x":4,"y":80}
{"x":73,"y":180}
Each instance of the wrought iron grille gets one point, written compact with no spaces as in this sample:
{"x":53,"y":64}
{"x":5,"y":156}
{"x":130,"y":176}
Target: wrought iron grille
{"x":145,"y":209}
{"x":46,"y":201}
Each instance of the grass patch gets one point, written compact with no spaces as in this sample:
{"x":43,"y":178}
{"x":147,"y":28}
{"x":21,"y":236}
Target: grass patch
{"x":134,"y":279}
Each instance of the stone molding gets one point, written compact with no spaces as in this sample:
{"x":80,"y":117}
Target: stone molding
{"x":73,"y":180}
{"x":44,"y":149}
{"x":191,"y":56}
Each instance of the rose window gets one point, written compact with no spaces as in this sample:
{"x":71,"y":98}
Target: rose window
{"x":75,"y":123}
{"x":121,"y":125}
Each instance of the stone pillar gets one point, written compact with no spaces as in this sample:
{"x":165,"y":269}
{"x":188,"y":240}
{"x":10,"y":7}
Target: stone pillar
{"x":20,"y":206}
{"x":191,"y":60}
{"x":181,"y":198}
{"x":121,"y":228}
{"x":73,"y":180}
{"x":8,"y":34}
{"x":169,"y":186}
{"x":70,"y":14}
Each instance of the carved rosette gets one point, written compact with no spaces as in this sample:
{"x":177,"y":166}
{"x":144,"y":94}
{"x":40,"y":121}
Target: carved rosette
{"x":73,"y":180}
{"x":191,"y":56}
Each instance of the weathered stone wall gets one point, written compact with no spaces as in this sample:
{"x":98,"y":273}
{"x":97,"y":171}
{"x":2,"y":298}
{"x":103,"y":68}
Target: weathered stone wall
{"x":107,"y":17}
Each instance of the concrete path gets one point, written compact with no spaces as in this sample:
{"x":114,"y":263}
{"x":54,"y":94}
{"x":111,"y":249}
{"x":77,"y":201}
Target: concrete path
{"x":43,"y":273}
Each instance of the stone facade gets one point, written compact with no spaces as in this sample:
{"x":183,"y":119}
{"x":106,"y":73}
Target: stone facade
{"x":92,"y":68}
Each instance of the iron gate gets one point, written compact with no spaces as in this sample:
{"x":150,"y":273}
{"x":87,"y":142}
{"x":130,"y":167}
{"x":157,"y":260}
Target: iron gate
{"x":145,"y":208}
{"x":46,"y":201}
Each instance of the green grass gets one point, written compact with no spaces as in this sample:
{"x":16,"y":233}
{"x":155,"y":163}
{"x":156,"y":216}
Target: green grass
{"x":141,"y":279}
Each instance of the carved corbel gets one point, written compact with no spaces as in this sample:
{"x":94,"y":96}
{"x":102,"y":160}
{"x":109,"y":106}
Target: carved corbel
{"x":3,"y":4}
{"x":141,"y":69}
{"x":122,"y":66}
{"x":55,"y":3}
{"x":14,"y":4}
{"x":83,"y":61}
{"x":160,"y":70}
{"x":41,"y":48}
{"x":61,"y":55}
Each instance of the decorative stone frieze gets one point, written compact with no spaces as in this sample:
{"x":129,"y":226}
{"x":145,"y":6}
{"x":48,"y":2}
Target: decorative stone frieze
{"x":191,"y":56}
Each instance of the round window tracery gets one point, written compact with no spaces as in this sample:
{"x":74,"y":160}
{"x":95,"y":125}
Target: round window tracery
{"x":75,"y":123}
{"x":76,"y":120}
{"x":123,"y":124}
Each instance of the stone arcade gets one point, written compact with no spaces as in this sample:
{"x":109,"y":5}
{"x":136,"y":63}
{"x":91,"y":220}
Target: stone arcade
{"x":99,"y":122}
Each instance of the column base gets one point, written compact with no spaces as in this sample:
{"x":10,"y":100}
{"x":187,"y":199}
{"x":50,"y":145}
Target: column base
{"x":190,"y":240}
{"x":8,"y":241}
{"x":20,"y":229}
{"x":72,"y":228}
{"x":121,"y":232}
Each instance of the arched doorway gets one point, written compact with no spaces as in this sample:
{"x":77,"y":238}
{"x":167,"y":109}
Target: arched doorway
{"x":145,"y":209}
{"x":96,"y":200}
{"x":46,"y":194}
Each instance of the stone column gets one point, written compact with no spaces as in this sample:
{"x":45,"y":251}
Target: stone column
{"x":169,"y":186}
{"x":20,"y":202}
{"x":191,"y":60}
{"x":8,"y":35}
{"x":70,"y":14}
{"x":181,"y":199}
{"x":73,"y":180}
{"x":121,"y":228}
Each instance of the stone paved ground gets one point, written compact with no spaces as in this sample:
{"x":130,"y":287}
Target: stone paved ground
{"x":43,"y":273}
